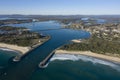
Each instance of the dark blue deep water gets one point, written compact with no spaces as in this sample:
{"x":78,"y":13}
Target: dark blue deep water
{"x":61,"y":66}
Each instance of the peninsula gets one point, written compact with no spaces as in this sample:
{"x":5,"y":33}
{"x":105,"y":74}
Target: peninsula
{"x":20,"y":39}
{"x":104,"y":42}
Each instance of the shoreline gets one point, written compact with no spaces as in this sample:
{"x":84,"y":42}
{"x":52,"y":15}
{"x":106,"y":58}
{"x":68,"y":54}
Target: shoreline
{"x":21,"y":49}
{"x":91,"y":54}
{"x":16,"y":48}
{"x":24,"y":50}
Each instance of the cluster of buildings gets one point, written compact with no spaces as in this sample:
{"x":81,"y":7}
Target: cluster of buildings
{"x":111,"y":30}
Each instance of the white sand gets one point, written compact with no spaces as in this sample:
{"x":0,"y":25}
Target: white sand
{"x":23,"y":50}
{"x":76,"y":41}
{"x":89,"y":53}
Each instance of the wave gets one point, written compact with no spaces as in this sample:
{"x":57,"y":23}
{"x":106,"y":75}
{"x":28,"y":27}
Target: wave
{"x":6,"y":49}
{"x":74,"y":57}
{"x":64,"y":57}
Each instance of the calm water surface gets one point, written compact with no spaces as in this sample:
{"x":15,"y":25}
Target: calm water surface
{"x":61,"y":67}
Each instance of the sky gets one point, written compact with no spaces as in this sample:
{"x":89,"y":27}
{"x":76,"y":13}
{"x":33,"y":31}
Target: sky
{"x":60,"y":7}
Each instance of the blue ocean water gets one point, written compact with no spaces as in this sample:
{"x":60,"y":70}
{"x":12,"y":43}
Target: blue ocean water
{"x":78,"y":67}
{"x":71,"y":67}
{"x":61,"y":66}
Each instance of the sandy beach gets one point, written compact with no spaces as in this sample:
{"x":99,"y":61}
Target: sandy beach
{"x":89,"y":53}
{"x":76,"y":41}
{"x":23,"y":50}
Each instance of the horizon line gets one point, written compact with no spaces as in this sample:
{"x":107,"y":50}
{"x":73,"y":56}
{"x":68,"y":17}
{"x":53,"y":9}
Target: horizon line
{"x":61,"y":14}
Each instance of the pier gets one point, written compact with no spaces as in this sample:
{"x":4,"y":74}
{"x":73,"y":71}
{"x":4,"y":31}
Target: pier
{"x":43,"y":63}
{"x":39,"y":56}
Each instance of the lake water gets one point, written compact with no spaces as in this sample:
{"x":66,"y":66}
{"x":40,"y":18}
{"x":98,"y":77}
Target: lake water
{"x":61,"y":66}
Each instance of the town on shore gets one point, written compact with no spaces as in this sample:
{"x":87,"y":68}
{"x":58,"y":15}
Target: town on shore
{"x":104,"y":41}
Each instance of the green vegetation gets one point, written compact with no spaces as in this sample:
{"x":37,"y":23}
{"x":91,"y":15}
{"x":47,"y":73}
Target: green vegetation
{"x":19,"y":36}
{"x":9,"y":28}
{"x":95,"y":44}
{"x":19,"y":40}
{"x":105,"y":37}
{"x":14,"y":21}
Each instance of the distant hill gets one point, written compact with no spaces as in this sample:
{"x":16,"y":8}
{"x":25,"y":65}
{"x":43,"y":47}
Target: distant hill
{"x":109,"y":18}
{"x":59,"y":16}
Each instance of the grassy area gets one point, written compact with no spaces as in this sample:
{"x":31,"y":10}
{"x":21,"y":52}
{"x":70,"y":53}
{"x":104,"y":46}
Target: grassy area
{"x":97,"y":45}
{"x":10,"y":28}
{"x":19,"y":36}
